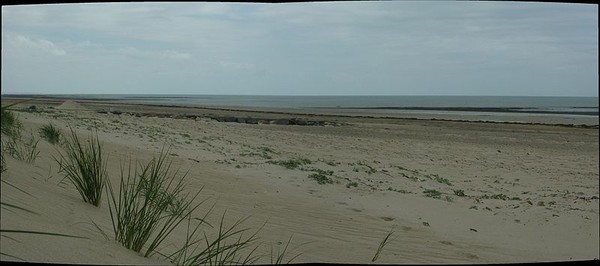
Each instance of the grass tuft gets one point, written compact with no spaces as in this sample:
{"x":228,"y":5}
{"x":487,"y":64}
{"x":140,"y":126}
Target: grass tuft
{"x":9,"y":123}
{"x":85,"y":167}
{"x":226,"y":248}
{"x":432,"y":193}
{"x":149,"y":204}
{"x":12,"y":141}
{"x":460,"y":193}
{"x":50,"y":133}
{"x":321,"y":178}
{"x":3,"y":161}
{"x":382,"y":245}
{"x":281,"y":254}
{"x":292,"y":163}
{"x":20,"y":149}
{"x":352,"y":184}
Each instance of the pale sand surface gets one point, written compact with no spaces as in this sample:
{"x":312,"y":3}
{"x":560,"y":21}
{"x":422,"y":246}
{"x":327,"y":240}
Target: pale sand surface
{"x":530,"y":164}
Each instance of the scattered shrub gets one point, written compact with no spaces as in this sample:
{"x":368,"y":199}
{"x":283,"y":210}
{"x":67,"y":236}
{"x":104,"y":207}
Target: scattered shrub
{"x":292,"y":163}
{"x":459,"y":192}
{"x":321,"y":179}
{"x":432,"y":193}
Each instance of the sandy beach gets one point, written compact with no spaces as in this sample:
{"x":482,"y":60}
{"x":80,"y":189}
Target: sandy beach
{"x":506,"y":192}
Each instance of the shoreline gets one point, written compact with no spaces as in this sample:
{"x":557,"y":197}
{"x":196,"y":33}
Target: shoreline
{"x":504,"y":109}
{"x":481,"y":109}
{"x":447,"y":114}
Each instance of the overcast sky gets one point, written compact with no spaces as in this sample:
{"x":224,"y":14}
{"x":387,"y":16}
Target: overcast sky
{"x":322,"y":48}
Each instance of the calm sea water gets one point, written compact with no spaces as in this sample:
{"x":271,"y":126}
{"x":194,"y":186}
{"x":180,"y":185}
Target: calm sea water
{"x":571,"y":104}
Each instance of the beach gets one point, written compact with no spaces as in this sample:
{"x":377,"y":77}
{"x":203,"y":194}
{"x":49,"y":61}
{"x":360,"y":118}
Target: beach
{"x":453,"y":187}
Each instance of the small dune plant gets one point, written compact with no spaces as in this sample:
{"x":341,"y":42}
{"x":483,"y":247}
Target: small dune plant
{"x":292,"y":163}
{"x":384,"y":242}
{"x":321,"y":178}
{"x":3,"y":162}
{"x":149,"y":204}
{"x":12,"y":140}
{"x":279,"y":258}
{"x":83,"y":164}
{"x":21,"y":148}
{"x":50,"y":133}
{"x":228,"y":246}
{"x":9,"y":123}
{"x":432,"y":193}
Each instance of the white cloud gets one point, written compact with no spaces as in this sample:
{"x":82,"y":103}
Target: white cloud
{"x":175,"y":55}
{"x":237,"y":65}
{"x":43,"y":45}
{"x":146,"y":54}
{"x":379,"y":44}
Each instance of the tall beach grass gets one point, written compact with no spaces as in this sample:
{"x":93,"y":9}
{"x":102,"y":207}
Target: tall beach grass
{"x":9,"y":123}
{"x":50,"y":133}
{"x":142,"y":211}
{"x":21,"y":148}
{"x":228,"y":247}
{"x":83,"y":164}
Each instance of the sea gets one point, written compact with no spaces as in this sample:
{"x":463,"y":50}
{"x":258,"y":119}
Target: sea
{"x":570,"y":105}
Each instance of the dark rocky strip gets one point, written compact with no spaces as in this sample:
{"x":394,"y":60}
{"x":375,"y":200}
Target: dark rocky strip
{"x":480,"y":109}
{"x":232,"y":119}
{"x":304,"y":122}
{"x":102,"y":109}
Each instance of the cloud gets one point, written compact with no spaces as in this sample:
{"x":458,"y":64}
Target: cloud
{"x":338,"y":47}
{"x":237,"y":65}
{"x":175,"y":55}
{"x":43,"y":45}
{"x":146,"y":54}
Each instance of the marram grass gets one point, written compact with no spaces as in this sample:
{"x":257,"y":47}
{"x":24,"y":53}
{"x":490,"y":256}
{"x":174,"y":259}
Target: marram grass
{"x":50,"y":133}
{"x":21,"y":149}
{"x":83,"y":164}
{"x":142,"y":210}
{"x":228,"y":247}
{"x":9,"y":123}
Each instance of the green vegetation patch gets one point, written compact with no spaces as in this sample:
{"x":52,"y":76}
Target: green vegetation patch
{"x":9,"y":123}
{"x":292,"y":163}
{"x":496,"y":196}
{"x":440,"y":179}
{"x":321,"y":178}
{"x":432,"y":193}
{"x":320,"y":171}
{"x":352,"y":184}
{"x":50,"y":133}
{"x":399,"y":190}
{"x":459,"y":192}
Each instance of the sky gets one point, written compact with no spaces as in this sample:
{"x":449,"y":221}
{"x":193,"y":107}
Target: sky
{"x":310,"y":48}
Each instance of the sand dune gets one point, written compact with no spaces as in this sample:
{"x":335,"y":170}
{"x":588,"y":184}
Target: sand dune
{"x":508,"y":193}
